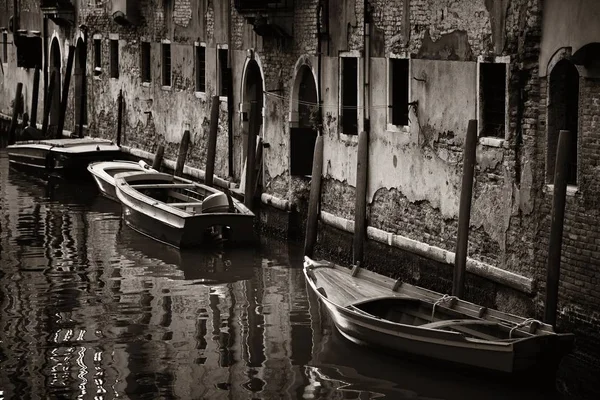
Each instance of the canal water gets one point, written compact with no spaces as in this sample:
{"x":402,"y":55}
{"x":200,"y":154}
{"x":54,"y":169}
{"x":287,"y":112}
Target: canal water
{"x":91,"y":309}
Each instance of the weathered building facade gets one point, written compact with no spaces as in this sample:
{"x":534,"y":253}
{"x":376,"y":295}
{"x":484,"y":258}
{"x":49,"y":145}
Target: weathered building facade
{"x":410,"y":72}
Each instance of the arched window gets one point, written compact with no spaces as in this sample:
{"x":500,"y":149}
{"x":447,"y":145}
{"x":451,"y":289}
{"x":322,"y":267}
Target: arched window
{"x":563,"y":114}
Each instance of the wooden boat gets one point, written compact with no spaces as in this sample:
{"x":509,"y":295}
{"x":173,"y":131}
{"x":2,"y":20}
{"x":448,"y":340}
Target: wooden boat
{"x":104,"y":173}
{"x":181,"y":214}
{"x":374,"y":310}
{"x":68,"y":157}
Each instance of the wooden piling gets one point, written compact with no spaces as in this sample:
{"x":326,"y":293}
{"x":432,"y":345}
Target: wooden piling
{"x":183,"y":150}
{"x":48,"y":103}
{"x":34,"y":97}
{"x":360,"y":204}
{"x":82,"y":105}
{"x":158,"y":157}
{"x":212,"y":142}
{"x":464,"y":212}
{"x":254,"y":126}
{"x":119,"y":116}
{"x":65,"y":92}
{"x":314,"y":202}
{"x":556,"y":231}
{"x":13,"y":123}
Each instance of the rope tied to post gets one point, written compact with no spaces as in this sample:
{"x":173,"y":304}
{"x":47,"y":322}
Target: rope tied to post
{"x":442,"y":299}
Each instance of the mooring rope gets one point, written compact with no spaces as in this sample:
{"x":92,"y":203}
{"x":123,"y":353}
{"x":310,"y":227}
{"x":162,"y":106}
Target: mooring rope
{"x":528,"y":321}
{"x":444,"y":298}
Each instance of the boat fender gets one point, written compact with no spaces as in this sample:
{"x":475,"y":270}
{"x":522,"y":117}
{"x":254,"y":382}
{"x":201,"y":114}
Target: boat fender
{"x":50,"y":161}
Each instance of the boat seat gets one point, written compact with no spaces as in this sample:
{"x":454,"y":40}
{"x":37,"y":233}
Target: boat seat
{"x":186,"y":204}
{"x":449,"y":323}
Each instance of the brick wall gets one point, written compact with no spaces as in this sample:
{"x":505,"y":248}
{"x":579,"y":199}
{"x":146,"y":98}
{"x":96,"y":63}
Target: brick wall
{"x":579,"y":287}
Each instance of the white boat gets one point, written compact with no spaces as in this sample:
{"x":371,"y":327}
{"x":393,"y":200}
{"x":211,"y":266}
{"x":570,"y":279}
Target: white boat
{"x":68,"y":157}
{"x":371,"y":309}
{"x":182,"y":214}
{"x":104,"y":173}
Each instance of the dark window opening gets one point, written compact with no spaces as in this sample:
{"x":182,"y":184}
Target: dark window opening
{"x":302,"y":145}
{"x":349,"y":96}
{"x":97,"y":56}
{"x":563,"y":114}
{"x":200,"y":69}
{"x":399,"y":91}
{"x":166,"y":64}
{"x":4,"y":47}
{"x":145,"y":67}
{"x":114,"y":58}
{"x":29,"y":51}
{"x":492,"y":100}
{"x":223,"y":72}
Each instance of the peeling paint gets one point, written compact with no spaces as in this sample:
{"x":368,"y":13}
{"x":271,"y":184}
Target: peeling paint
{"x":497,"y":10}
{"x":451,"y":46}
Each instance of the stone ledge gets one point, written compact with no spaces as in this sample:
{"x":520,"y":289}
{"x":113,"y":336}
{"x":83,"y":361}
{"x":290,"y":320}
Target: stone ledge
{"x":507,"y":278}
{"x":280,"y":204}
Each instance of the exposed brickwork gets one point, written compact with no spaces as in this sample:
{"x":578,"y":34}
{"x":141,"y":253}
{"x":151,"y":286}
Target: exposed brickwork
{"x":182,"y":12}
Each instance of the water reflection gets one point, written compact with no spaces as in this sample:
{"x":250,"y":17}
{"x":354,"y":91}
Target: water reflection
{"x":91,"y":309}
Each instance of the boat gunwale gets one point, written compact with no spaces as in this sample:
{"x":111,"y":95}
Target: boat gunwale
{"x":123,"y":186}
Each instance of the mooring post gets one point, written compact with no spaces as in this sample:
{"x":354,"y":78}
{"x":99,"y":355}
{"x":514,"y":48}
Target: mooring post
{"x":119,"y":116}
{"x":48,"y":103}
{"x":13,"y":123}
{"x":464,"y":212}
{"x":34,"y":97}
{"x":183,"y":150}
{"x":65,"y":93}
{"x":158,"y":157}
{"x":253,"y":126}
{"x":360,"y":204}
{"x":82,"y":105}
{"x":314,"y":201}
{"x":212,"y":141}
{"x":561,"y":170}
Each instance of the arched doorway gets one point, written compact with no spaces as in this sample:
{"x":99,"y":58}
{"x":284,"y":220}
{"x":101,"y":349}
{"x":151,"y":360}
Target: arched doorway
{"x":303,"y":122}
{"x":563,"y":113}
{"x":80,"y":86}
{"x":252,"y":94}
{"x":55,"y":65}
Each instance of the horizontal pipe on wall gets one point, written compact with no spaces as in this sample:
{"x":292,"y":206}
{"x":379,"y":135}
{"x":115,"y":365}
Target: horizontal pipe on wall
{"x":195,"y":173}
{"x":435,"y":253}
{"x":280,"y":204}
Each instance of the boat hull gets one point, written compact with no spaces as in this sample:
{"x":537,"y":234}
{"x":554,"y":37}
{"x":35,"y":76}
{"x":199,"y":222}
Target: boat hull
{"x":411,"y":340}
{"x":181,"y":230}
{"x":65,"y":157}
{"x":525,"y":352}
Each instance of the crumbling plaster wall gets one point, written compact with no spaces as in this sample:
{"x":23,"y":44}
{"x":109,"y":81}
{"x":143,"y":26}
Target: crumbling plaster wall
{"x":277,"y":60}
{"x":153,"y":114}
{"x":419,"y":172}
